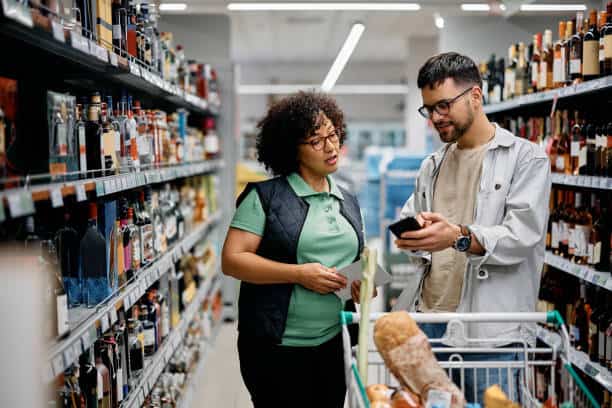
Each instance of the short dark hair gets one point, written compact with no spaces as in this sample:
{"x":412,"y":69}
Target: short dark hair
{"x":449,"y":65}
{"x":288,"y":123}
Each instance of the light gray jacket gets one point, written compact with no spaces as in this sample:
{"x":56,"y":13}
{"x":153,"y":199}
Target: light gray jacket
{"x":510,"y":222}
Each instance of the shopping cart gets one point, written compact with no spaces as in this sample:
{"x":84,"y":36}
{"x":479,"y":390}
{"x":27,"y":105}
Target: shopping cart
{"x":518,"y":376}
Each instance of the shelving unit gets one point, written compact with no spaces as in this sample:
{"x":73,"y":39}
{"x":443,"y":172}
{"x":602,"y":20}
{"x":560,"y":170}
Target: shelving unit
{"x":579,"y":359}
{"x":527,"y":101}
{"x":83,"y":333}
{"x":599,"y":183}
{"x":602,"y":279}
{"x":155,"y":365}
{"x":78,"y":55}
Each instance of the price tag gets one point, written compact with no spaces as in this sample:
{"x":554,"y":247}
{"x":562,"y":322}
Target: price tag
{"x":590,"y":370}
{"x":58,"y":31}
{"x":69,"y":357}
{"x":113,"y":315}
{"x":57,"y":199}
{"x":58,"y":365}
{"x":20,"y":203}
{"x":108,"y":187}
{"x":86,"y":340}
{"x":100,"y":188}
{"x":126,"y":302}
{"x":104,"y":323}
{"x":113,"y":59}
{"x":81,"y":194}
{"x":125,"y":183}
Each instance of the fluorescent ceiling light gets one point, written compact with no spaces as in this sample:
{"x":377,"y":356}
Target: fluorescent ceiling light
{"x":439,"y":21}
{"x":343,"y":56}
{"x":323,"y":7}
{"x":346,"y":89}
{"x":553,"y":7}
{"x":479,"y":7}
{"x":173,"y":6}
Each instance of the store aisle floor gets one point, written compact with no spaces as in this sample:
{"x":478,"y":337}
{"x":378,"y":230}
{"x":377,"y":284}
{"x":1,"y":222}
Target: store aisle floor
{"x":221,"y":385}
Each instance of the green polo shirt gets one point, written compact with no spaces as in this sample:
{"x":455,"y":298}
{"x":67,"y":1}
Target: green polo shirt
{"x":327,"y":238}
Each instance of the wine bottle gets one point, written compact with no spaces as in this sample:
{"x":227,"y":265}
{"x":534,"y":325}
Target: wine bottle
{"x":93,"y":262}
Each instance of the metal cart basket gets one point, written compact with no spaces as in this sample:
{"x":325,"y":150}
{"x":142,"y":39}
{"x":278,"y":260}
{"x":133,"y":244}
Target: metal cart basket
{"x":516,"y":377}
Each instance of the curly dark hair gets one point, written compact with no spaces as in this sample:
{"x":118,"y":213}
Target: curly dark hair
{"x":288,"y":123}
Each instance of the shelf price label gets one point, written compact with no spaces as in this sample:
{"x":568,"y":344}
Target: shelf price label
{"x":20,"y":203}
{"x":86,"y":340}
{"x":104,"y":323}
{"x":57,"y":199}
{"x":58,"y":365}
{"x":81,"y":194}
{"x":100,"y":188}
{"x":113,"y":315}
{"x":58,"y":31}
{"x":113,"y":59}
{"x":69,"y":356}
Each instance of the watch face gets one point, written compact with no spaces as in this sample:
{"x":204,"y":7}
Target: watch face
{"x":463,"y":244}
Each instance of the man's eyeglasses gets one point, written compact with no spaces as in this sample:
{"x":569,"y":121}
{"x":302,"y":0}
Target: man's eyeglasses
{"x":319,"y":143}
{"x":441,"y":107}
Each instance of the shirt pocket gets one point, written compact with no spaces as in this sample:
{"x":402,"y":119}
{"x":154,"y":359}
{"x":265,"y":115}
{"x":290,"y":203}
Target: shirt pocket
{"x":492,"y":198}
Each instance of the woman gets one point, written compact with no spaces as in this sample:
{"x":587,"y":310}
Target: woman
{"x":288,"y":237}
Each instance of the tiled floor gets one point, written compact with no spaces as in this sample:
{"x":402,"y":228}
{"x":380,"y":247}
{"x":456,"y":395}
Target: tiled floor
{"x":221,"y":385}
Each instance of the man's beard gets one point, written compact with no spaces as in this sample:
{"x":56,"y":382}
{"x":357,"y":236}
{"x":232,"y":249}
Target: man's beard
{"x":459,"y":129}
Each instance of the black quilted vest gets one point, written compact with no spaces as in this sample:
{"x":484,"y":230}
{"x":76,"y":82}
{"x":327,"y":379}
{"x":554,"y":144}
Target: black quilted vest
{"x":262,"y":309}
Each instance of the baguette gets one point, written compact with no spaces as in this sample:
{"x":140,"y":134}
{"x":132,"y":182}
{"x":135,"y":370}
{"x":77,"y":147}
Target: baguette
{"x":407,"y":353}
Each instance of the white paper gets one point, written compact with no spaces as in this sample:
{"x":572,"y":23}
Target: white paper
{"x":353,"y":273}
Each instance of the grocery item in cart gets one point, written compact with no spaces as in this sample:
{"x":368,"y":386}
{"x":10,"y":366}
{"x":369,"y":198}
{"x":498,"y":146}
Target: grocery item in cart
{"x":408,"y":355}
{"x":495,"y":397}
{"x":382,"y":396}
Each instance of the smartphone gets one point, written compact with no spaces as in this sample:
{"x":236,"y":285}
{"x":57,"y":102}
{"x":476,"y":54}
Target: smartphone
{"x":407,"y":224}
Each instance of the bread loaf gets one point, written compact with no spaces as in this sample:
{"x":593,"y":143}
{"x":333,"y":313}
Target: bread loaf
{"x":407,"y":353}
{"x":495,"y":397}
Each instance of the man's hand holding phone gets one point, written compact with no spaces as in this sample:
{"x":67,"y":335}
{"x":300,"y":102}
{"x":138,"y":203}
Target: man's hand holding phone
{"x":436,"y":234}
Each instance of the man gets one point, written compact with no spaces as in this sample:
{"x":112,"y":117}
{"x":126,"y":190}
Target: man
{"x":482,"y":200}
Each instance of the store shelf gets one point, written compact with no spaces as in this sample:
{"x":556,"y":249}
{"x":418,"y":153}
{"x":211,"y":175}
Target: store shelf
{"x":79,"y":58}
{"x":588,"y":274}
{"x":597,"y":85}
{"x":579,"y":359}
{"x":21,"y":200}
{"x":600,"y":183}
{"x":156,"y":364}
{"x":84,"y":333}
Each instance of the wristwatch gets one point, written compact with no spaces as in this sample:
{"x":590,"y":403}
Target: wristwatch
{"x":464,"y":241}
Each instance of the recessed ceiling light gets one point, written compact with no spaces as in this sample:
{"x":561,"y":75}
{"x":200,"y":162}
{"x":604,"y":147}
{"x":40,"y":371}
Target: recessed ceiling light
{"x":173,"y":6}
{"x":439,"y":21}
{"x":323,"y":6}
{"x":343,"y":56}
{"x":553,"y":7}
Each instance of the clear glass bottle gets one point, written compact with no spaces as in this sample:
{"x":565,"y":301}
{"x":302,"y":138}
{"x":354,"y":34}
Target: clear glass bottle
{"x":159,"y":235}
{"x":145,"y":226}
{"x":81,"y":140}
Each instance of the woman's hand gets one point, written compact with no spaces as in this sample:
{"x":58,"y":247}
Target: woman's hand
{"x":356,"y":292}
{"x":320,"y":279}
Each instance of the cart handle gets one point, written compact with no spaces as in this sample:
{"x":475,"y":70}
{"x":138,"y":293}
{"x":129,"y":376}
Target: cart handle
{"x":549,"y":317}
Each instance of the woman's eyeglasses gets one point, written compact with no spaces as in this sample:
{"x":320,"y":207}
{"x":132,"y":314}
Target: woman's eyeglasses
{"x":319,"y":143}
{"x":441,"y":107}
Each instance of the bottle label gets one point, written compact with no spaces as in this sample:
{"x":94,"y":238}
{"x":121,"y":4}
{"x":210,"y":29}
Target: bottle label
{"x":596,"y":253}
{"x":564,"y":233}
{"x":602,"y":51}
{"x":590,"y":58}
{"x":556,"y":235}
{"x":136,"y":251}
{"x":575,"y":66}
{"x":62,"y":139}
{"x":608,"y":46}
{"x":572,"y":240}
{"x":543,"y":75}
{"x":560,"y":163}
{"x":117,"y":32}
{"x":575,"y":150}
{"x":582,"y":158}
{"x":211,"y":144}
{"x":558,"y":68}
{"x":82,"y":149}
{"x":535,"y":74}
{"x":146,"y":243}
{"x":582,"y":234}
{"x":149,"y":337}
{"x":591,"y":251}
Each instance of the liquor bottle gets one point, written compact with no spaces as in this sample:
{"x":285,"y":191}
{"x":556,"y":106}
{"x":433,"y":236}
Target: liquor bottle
{"x":571,"y":218}
{"x":600,"y":147}
{"x":58,"y":326}
{"x":110,"y":360}
{"x":131,"y":31}
{"x":149,"y":330}
{"x":136,"y":352}
{"x":564,"y":225}
{"x":608,"y":150}
{"x":576,"y":144}
{"x":535,"y":62}
{"x":546,"y":63}
{"x":484,"y":74}
{"x":603,"y":17}
{"x":104,"y":397}
{"x":81,"y":140}
{"x":145,"y":228}
{"x":131,"y":136}
{"x":559,"y":58}
{"x":169,"y":216}
{"x":555,"y":231}
{"x":159,"y":236}
{"x":211,"y":139}
{"x":567,"y":46}
{"x":114,"y":121}
{"x":134,"y":241}
{"x":590,"y":55}
{"x":604,"y":318}
{"x":119,"y":43}
{"x":144,"y":140}
{"x":582,"y":229}
{"x":67,"y":245}
{"x":591,"y":159}
{"x":499,"y":81}
{"x":126,"y":239}
{"x":121,"y":338}
{"x":509,"y":76}
{"x":93,"y":135}
{"x":155,"y":315}
{"x":110,"y":140}
{"x":576,"y":50}
{"x":122,"y":276}
{"x":122,"y":117}
{"x":607,"y":40}
{"x":601,"y":241}
{"x":88,"y":380}
{"x":165,"y":313}
{"x":180,"y":218}
{"x":93,"y":262}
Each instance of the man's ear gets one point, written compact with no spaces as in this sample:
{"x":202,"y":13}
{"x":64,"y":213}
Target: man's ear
{"x":476,"y":96}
